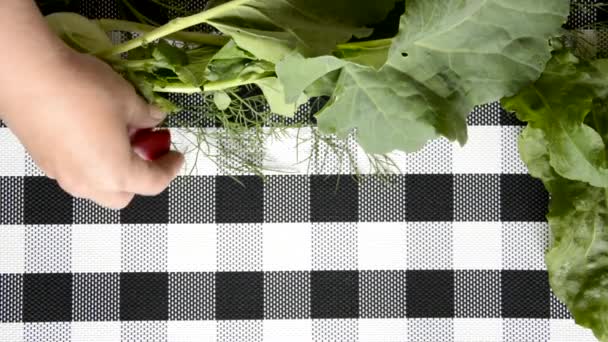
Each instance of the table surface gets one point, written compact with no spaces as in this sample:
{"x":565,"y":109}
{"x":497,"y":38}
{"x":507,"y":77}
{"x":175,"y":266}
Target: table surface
{"x":450,"y":249}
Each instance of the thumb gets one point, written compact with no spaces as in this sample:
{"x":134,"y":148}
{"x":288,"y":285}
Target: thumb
{"x":145,"y":115}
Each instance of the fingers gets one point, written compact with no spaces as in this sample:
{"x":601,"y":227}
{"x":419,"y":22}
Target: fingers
{"x":151,"y":178}
{"x":114,"y":201}
{"x":110,"y":200}
{"x":144,"y":115}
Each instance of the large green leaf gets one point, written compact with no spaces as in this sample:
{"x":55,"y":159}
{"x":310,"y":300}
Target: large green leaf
{"x":564,"y":146}
{"x":449,"y":56}
{"x":271,"y":29}
{"x":561,"y":104}
{"x":578,"y":258}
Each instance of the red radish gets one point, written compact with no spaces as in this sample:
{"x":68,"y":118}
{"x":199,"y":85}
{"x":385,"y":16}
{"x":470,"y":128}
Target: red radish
{"x":151,"y":144}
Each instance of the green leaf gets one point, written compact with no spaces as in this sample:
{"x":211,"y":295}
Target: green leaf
{"x":324,"y":86}
{"x":222,"y":100}
{"x":578,"y":257}
{"x":143,"y":82}
{"x":190,"y":66}
{"x":272,"y":29}
{"x":275,"y":95}
{"x":228,"y":63}
{"x":449,"y":56}
{"x":170,"y":54}
{"x":561,"y":104}
{"x":78,"y":32}
{"x":297,"y":73}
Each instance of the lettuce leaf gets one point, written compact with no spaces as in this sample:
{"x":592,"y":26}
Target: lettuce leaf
{"x":564,"y":146}
{"x":560,"y":104}
{"x":578,"y":258}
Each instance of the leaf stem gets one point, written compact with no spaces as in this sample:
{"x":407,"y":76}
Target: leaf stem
{"x":237,"y":82}
{"x":190,"y":37}
{"x":172,"y":27}
{"x":178,"y":89}
{"x":366,"y":44}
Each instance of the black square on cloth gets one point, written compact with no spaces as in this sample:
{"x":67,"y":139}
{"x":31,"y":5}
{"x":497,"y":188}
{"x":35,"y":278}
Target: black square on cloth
{"x":239,"y":295}
{"x":45,"y":203}
{"x":144,"y":296}
{"x":47,"y":297}
{"x":240,"y":200}
{"x":146,"y":209}
{"x":11,"y":200}
{"x":525,"y":294}
{"x":334,"y":294}
{"x":522,"y":198}
{"x":96,"y":296}
{"x":429,"y":197}
{"x":430,"y":293}
{"x":478,"y":294}
{"x":334,"y":199}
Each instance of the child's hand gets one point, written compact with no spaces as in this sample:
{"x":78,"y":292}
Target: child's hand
{"x":74,"y":119}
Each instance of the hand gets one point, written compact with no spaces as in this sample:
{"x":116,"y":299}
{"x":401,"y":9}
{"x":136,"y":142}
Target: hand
{"x":75,"y":119}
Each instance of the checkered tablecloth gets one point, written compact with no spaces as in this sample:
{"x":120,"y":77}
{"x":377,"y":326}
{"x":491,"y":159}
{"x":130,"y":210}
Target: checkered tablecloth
{"x":451,"y":249}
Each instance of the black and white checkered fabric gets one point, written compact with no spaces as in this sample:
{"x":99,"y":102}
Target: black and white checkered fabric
{"x":451,"y":249}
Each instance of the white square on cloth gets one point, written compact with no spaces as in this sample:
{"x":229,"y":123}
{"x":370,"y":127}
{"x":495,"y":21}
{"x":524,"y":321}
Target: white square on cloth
{"x":192,"y":247}
{"x":382,"y":330}
{"x":192,"y":331}
{"x":287,"y":246}
{"x":95,"y":331}
{"x":11,"y":332}
{"x":565,"y":330}
{"x":296,"y":330}
{"x":12,"y":158}
{"x":381,"y":246}
{"x":477,"y":245}
{"x":482,"y":153}
{"x":478,"y":329}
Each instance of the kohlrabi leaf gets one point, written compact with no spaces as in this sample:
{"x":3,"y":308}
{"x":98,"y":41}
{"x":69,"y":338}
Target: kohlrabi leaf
{"x":275,"y":95}
{"x":297,"y":73}
{"x":449,"y":56}
{"x":577,"y":260}
{"x":562,"y":103}
{"x":78,"y":32}
{"x":271,"y":29}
